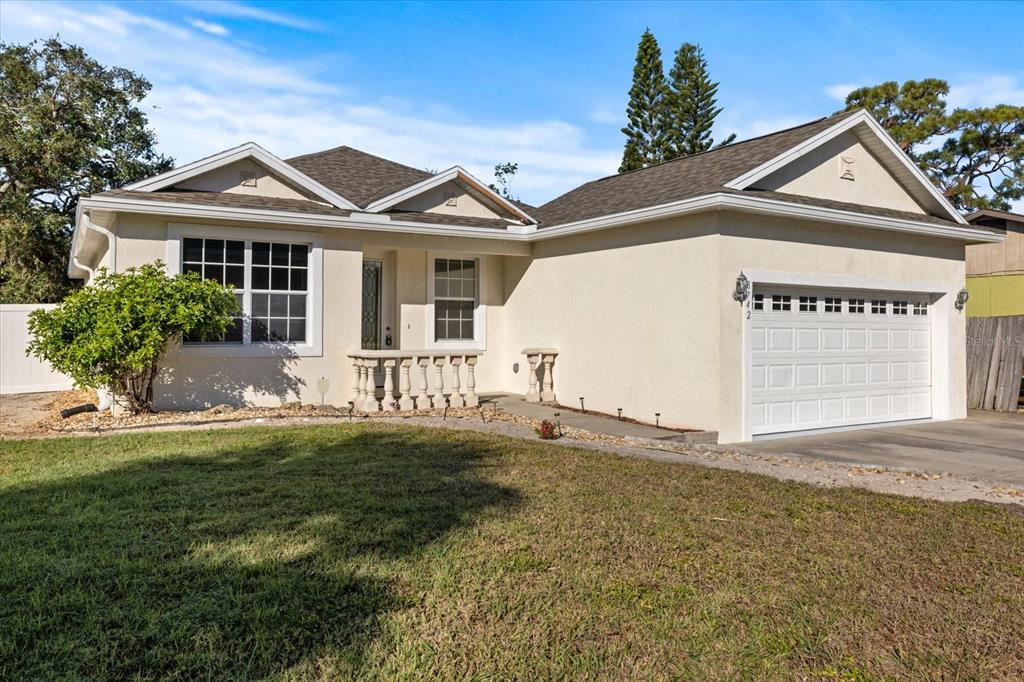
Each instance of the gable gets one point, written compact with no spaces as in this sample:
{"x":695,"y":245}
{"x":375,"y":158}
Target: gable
{"x":245,"y":177}
{"x":451,"y":198}
{"x":842,"y":169}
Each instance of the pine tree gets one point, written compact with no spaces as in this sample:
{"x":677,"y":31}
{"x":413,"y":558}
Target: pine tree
{"x":690,"y":104}
{"x":645,"y":141}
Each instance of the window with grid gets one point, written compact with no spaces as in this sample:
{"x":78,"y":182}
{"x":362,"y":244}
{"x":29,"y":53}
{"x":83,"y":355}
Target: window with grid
{"x":899,"y":307}
{"x":920,"y":308}
{"x":758,"y":301}
{"x":878,"y":307}
{"x":808,"y":304}
{"x":280,"y":282}
{"x":223,"y":261}
{"x":455,"y":286}
{"x":278,"y":286}
{"x":833,"y":305}
{"x":855,"y":305}
{"x":781,"y":302}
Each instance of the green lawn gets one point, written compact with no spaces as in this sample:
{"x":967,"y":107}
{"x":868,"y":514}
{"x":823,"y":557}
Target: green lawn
{"x":376,"y":550}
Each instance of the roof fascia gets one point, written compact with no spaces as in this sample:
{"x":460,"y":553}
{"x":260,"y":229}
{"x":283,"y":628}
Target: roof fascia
{"x":228,"y":156}
{"x":861,"y":117}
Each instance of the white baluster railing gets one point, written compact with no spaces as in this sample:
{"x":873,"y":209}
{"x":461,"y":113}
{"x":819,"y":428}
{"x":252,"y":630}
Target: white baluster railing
{"x":541,"y":375}
{"x":426,"y":394}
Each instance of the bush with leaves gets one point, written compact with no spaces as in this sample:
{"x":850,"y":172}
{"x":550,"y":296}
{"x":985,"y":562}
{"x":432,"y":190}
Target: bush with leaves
{"x":113,"y":332}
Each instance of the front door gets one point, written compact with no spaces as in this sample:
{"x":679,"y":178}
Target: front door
{"x":372,"y":281}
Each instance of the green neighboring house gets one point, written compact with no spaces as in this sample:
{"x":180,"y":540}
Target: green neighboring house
{"x":995,"y":272}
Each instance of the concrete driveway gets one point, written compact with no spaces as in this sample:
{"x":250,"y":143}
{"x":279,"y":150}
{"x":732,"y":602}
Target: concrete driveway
{"x":987,"y":446}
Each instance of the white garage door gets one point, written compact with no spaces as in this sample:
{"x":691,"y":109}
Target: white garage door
{"x":822,"y":358}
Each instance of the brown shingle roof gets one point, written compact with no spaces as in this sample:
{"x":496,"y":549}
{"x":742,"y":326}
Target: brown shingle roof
{"x":359,"y":177}
{"x":228,"y":200}
{"x":690,"y":176}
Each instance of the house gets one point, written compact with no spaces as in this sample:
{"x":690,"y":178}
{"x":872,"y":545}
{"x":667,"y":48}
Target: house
{"x":806,"y":279}
{"x":995,"y":272}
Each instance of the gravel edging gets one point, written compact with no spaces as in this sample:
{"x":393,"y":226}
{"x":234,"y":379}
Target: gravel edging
{"x":935,"y":486}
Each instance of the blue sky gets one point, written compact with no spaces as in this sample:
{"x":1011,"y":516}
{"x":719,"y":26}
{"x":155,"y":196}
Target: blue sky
{"x":542,"y":84}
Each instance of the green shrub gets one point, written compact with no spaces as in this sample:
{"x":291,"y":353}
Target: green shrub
{"x":113,"y":332}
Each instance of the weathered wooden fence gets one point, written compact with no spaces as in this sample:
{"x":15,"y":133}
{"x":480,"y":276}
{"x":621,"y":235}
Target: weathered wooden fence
{"x":19,"y":373}
{"x":995,"y":362}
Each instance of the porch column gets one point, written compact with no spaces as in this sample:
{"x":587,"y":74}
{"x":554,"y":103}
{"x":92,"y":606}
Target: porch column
{"x":456,"y":398}
{"x":548,"y":393}
{"x":533,"y":395}
{"x":471,"y":398}
{"x":405,"y":386}
{"x":423,"y":399}
{"x":439,"y":382}
{"x":389,"y":385}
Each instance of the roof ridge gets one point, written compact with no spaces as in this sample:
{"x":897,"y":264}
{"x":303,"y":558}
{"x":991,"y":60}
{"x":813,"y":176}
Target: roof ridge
{"x":728,"y":146}
{"x":358,"y":151}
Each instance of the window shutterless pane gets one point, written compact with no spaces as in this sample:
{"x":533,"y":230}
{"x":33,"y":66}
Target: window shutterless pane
{"x":260,"y":331}
{"x":440,"y":288}
{"x":278,"y":305}
{"x":260,"y":253}
{"x":234,"y":276}
{"x":439,"y":329}
{"x":214,"y":272}
{"x":234,"y":252}
{"x":260,"y":305}
{"x":193,"y":267}
{"x":468,"y":269}
{"x":279,"y":279}
{"x":440,"y":266}
{"x":260,"y":278}
{"x":214,"y":251}
{"x":297,"y":306}
{"x":193,"y":250}
{"x":279,"y":254}
{"x":298,"y":279}
{"x":300,"y":255}
{"x":234,"y":332}
{"x":278,"y":329}
{"x":467,"y":330}
{"x":297,"y":330}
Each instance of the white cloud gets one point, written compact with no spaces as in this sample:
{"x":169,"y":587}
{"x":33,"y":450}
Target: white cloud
{"x":987,"y":91}
{"x":209,"y":95}
{"x":209,"y":27}
{"x":238,"y":10}
{"x":839,"y":91}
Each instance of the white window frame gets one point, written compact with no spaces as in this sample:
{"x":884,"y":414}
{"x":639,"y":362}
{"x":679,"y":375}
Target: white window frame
{"x":479,"y":340}
{"x":313,"y":347}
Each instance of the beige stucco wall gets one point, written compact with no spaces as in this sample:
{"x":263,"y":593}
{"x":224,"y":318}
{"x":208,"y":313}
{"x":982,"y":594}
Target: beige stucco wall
{"x":229,"y":179}
{"x":434,"y":201}
{"x":817,"y":174}
{"x":642,"y":315}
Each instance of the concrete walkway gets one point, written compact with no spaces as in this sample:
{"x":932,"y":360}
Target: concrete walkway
{"x":595,"y":423}
{"x":987,"y":446}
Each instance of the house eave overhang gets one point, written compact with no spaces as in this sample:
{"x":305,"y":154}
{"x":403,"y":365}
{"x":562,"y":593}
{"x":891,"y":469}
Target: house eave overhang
{"x":385,"y":223}
{"x":721,"y":201}
{"x":905,"y":169}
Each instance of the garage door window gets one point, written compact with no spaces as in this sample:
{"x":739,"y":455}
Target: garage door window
{"x":899,"y":307}
{"x":855,"y":306}
{"x":781,"y":302}
{"x":808,"y":304}
{"x":920,"y":308}
{"x":878,"y":307}
{"x":833,"y":305}
{"x":758,"y":301}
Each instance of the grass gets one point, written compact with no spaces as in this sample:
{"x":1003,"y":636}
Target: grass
{"x":387,"y":551}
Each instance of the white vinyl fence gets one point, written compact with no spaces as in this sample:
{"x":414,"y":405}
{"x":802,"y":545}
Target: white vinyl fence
{"x":20,"y":373}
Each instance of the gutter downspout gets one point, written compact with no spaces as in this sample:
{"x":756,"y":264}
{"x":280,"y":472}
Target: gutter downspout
{"x":105,"y":396}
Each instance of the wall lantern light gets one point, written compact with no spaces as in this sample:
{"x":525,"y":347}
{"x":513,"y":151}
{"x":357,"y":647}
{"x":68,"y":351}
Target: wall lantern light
{"x":742,"y":290}
{"x":961,"y":299}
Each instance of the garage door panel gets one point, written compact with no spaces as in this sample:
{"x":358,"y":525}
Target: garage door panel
{"x":853,"y":364}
